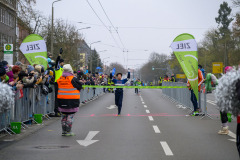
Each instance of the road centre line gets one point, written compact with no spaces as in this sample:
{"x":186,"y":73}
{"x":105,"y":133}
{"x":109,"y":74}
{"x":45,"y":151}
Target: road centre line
{"x":145,"y":106}
{"x":150,"y":118}
{"x":156,"y":129}
{"x":147,"y":111}
{"x":166,"y":148}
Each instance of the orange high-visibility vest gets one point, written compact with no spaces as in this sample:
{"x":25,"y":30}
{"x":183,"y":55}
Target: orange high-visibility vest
{"x":66,"y":89}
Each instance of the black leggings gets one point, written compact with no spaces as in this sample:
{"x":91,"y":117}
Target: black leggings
{"x":224,"y":117}
{"x":238,"y":138}
{"x":136,"y":90}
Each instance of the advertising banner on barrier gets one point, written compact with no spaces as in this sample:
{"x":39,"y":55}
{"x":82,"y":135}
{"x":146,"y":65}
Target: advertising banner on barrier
{"x":184,"y":47}
{"x":34,"y":49}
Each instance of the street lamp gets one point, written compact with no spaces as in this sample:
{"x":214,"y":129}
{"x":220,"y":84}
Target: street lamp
{"x":52,"y":27}
{"x":91,"y":53}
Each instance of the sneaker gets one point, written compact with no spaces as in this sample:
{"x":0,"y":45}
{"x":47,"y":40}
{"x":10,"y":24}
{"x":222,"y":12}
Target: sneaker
{"x":119,"y":114}
{"x":70,"y":134}
{"x":224,"y":130}
{"x":195,"y":113}
{"x":64,"y":134}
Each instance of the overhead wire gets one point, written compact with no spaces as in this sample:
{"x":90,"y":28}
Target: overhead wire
{"x":105,"y":27}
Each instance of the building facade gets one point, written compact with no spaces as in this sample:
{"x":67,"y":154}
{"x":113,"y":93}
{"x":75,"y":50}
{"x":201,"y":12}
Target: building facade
{"x":84,"y":51}
{"x":8,"y":14}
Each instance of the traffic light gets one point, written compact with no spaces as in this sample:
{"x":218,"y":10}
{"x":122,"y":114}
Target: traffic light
{"x":153,"y":68}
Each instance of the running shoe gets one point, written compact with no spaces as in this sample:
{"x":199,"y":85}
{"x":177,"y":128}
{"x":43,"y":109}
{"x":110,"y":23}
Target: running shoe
{"x":195,"y":113}
{"x":64,"y":134}
{"x":119,"y":114}
{"x":70,"y":134}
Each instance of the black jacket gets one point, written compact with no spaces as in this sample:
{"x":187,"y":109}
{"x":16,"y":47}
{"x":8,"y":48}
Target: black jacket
{"x":238,"y":89}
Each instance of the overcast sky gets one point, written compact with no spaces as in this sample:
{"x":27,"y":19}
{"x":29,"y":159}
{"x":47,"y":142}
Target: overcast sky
{"x":163,"y":21}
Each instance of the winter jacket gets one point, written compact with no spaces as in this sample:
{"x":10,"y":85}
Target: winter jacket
{"x":28,"y":80}
{"x":10,"y":75}
{"x":74,"y":103}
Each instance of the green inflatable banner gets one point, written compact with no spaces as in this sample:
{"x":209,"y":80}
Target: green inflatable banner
{"x":34,"y":49}
{"x":184,"y":47}
{"x":140,"y":87}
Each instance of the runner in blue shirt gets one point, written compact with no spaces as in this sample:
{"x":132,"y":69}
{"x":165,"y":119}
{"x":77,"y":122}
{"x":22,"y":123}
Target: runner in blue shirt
{"x":119,"y":91}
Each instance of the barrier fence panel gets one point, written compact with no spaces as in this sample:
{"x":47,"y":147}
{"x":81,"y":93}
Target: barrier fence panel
{"x":34,"y":102}
{"x":182,"y":97}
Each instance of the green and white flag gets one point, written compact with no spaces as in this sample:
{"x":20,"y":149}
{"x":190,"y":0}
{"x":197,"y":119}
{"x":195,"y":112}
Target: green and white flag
{"x":34,"y":49}
{"x":184,"y":47}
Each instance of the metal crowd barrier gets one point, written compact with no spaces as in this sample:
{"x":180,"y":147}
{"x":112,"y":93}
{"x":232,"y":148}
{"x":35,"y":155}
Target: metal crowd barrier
{"x":34,"y":102}
{"x":182,"y":98}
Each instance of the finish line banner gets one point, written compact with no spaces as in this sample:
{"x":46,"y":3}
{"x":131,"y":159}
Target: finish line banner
{"x":140,"y":87}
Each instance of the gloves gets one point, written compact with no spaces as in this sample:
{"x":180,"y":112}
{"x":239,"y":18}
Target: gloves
{"x":61,"y":50}
{"x":128,"y":69}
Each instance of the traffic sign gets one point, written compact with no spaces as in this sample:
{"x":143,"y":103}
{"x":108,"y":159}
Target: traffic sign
{"x":8,"y":53}
{"x":181,"y":76}
{"x":217,"y":67}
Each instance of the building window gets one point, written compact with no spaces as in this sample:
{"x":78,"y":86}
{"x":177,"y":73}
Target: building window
{"x":3,"y":16}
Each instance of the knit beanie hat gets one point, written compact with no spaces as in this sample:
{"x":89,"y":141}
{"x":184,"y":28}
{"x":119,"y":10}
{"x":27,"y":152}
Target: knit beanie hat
{"x":67,"y":68}
{"x":4,"y":63}
{"x":30,"y":68}
{"x":61,"y":60}
{"x":228,"y":68}
{"x":18,"y":63}
{"x":38,"y":67}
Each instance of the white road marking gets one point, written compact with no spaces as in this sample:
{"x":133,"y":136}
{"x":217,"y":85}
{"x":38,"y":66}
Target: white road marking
{"x":211,"y":102}
{"x":156,"y":129}
{"x":88,"y":140}
{"x":166,"y":148}
{"x":231,"y":134}
{"x":111,"y":107}
{"x":150,"y":118}
{"x":145,"y":106}
{"x":147,"y":111}
{"x":143,"y":103}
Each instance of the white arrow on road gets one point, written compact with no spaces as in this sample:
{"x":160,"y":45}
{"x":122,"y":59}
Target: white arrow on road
{"x":88,"y":140}
{"x":111,"y":107}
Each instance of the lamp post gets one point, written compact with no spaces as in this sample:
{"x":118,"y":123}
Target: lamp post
{"x":52,"y":27}
{"x":91,"y":54}
{"x":105,"y":66}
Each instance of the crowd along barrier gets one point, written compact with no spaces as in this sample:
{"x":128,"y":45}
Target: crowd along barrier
{"x":182,"y":98}
{"x":32,"y":101}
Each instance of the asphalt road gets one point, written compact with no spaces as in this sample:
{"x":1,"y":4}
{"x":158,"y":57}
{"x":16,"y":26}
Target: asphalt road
{"x":150,"y":128}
